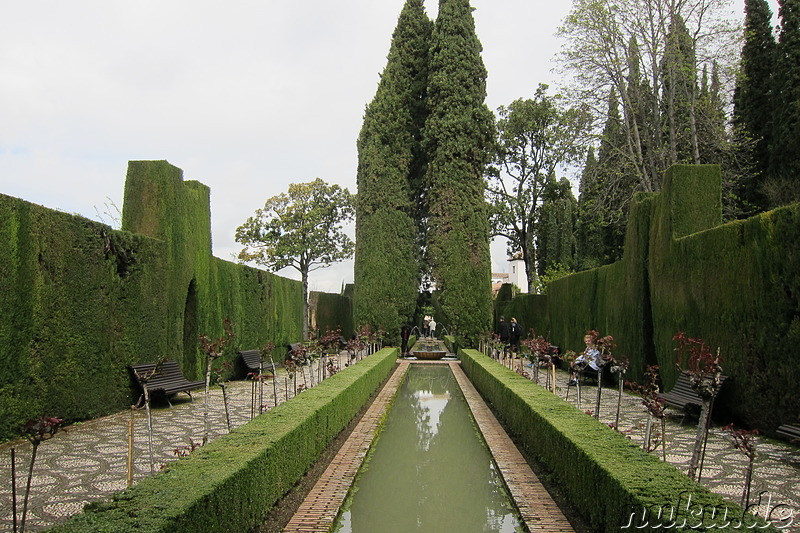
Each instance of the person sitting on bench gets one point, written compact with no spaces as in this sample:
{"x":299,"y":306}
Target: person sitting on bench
{"x":589,"y":358}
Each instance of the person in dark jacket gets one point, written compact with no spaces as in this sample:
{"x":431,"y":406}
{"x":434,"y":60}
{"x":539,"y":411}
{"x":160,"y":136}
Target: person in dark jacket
{"x":504,"y":333}
{"x":405,"y":333}
{"x":516,"y":335}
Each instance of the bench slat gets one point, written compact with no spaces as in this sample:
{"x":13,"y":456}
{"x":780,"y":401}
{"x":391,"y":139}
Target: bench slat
{"x":790,"y":433}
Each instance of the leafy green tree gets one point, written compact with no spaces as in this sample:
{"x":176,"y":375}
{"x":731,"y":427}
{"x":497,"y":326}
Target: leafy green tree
{"x":457,"y":134}
{"x":752,"y":113}
{"x":387,"y":265}
{"x":785,"y":149}
{"x":534,"y":137}
{"x":719,"y":146}
{"x":301,"y":228}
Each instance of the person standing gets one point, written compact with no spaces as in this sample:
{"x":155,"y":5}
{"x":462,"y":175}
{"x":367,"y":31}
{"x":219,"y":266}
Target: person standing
{"x":432,"y":328}
{"x":405,"y":333}
{"x":516,"y":335}
{"x":504,"y":333}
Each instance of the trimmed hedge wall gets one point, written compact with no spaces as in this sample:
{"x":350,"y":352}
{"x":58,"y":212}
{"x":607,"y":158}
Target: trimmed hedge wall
{"x":530,"y":310}
{"x":80,"y":301}
{"x":332,"y":312}
{"x":737,"y":286}
{"x":604,"y":475}
{"x":232,"y":483}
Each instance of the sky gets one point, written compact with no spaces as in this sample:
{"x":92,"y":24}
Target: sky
{"x":245,"y":96}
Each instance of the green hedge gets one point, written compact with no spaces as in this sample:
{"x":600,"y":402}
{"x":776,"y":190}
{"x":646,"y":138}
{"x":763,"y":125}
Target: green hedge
{"x":80,"y":301}
{"x":232,"y":483}
{"x":603,"y":474}
{"x":737,"y":286}
{"x":332,"y":312}
{"x":530,"y":310}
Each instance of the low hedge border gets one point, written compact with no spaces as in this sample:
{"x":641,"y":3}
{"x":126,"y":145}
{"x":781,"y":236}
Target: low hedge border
{"x":232,"y":483}
{"x":605,"y":476}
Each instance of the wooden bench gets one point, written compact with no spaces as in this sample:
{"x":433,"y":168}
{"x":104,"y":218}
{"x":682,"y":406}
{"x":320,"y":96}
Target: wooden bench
{"x":683,"y":396}
{"x":167,"y":381}
{"x":255,"y":364}
{"x":789,"y":433}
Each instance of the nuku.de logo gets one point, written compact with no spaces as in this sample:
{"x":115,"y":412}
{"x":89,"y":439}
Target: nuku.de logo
{"x":686,"y":515}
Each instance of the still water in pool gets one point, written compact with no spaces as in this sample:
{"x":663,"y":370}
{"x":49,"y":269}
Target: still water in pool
{"x":430,"y":470}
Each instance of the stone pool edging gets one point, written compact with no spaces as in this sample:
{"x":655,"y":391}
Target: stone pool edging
{"x":604,"y":475}
{"x":232,"y":483}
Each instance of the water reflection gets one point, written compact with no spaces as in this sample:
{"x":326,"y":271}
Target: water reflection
{"x":430,"y":406}
{"x":430,"y":469}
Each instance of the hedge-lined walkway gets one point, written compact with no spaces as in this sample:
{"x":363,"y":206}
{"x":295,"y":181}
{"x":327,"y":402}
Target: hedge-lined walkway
{"x":86,"y":462}
{"x":777,"y":465}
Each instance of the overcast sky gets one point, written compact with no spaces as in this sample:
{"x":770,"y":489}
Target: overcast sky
{"x":245,"y":96}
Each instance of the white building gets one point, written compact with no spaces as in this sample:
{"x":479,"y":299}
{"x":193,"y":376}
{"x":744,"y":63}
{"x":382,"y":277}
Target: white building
{"x":516,"y":273}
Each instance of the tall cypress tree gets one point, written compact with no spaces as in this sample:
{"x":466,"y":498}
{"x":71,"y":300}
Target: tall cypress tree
{"x":457,"y":133}
{"x":616,"y":179}
{"x":390,"y":167}
{"x":679,"y":94}
{"x":752,"y":114}
{"x":589,"y":224}
{"x":785,"y":149}
{"x":556,"y":237}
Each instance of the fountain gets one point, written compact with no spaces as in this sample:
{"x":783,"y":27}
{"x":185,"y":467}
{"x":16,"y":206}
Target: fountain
{"x":429,"y":348}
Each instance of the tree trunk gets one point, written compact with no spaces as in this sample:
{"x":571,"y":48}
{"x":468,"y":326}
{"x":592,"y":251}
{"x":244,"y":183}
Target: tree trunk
{"x":14,"y":486}
{"x":599,"y":393}
{"x":699,"y":439}
{"x":274,"y":380}
{"x":619,"y":402}
{"x":206,"y":424}
{"x":149,"y":425}
{"x":225,"y":402}
{"x":304,"y":277}
{"x":747,"y":481}
{"x":28,"y":488}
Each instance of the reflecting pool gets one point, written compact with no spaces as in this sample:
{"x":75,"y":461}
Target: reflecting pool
{"x":430,"y":470}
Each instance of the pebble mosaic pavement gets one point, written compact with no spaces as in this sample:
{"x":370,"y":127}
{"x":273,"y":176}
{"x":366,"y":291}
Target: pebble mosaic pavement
{"x":87,"y":462}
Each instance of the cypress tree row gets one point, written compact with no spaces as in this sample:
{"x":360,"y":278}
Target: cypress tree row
{"x":390,"y":168}
{"x":556,"y":238}
{"x":752,"y":114}
{"x":457,"y":133}
{"x":589,"y":224}
{"x":785,"y":151}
